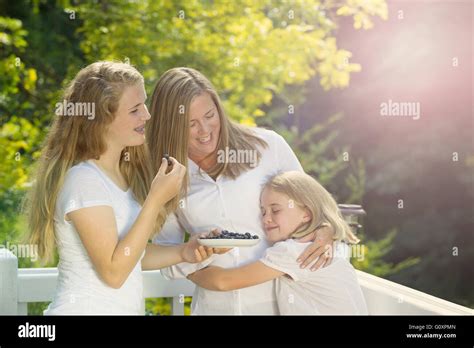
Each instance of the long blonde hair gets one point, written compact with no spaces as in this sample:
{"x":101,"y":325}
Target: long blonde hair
{"x":168,"y":129}
{"x":306,"y":192}
{"x":74,"y":138}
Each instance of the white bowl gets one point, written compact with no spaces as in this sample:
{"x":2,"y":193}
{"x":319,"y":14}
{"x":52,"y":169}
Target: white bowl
{"x":228,"y":243}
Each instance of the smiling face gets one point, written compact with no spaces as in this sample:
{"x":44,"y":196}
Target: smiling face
{"x":280,"y":216}
{"x":204,"y":127}
{"x":128,"y":126}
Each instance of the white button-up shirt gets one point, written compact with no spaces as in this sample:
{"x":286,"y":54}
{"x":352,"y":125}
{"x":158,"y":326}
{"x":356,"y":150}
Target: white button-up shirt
{"x":233,"y":205}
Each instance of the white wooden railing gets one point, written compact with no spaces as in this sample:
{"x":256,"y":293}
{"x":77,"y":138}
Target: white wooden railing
{"x":18,"y":287}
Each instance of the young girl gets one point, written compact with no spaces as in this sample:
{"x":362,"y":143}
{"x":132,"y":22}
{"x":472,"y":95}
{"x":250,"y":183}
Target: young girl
{"x":95,"y":199}
{"x":294,"y":206}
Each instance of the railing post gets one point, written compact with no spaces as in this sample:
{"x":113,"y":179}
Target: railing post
{"x":351,"y":213}
{"x":177,"y":307}
{"x":8,"y":282}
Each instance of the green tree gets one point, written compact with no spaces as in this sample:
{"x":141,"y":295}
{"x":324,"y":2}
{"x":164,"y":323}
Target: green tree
{"x":250,"y":49}
{"x":16,"y":79}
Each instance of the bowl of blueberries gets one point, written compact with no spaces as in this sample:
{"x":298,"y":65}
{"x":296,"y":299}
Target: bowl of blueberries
{"x":227,"y":239}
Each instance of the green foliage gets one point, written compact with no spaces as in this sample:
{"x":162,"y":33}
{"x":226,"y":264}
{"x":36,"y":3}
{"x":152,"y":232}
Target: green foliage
{"x":16,"y":153}
{"x":17,"y":135}
{"x":373,"y":253}
{"x":355,"y":181}
{"x":361,"y":11}
{"x":16,"y":159}
{"x":312,"y":147}
{"x":158,"y":306}
{"x":15,"y":77}
{"x":37,"y":308}
{"x":250,"y":49}
{"x":162,"y":306}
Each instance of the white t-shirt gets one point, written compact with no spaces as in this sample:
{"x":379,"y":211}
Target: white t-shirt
{"x":330,"y":290}
{"x":80,"y":289}
{"x":232,"y":205}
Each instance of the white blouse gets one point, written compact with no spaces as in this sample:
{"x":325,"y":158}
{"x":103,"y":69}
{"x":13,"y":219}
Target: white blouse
{"x":232,"y":205}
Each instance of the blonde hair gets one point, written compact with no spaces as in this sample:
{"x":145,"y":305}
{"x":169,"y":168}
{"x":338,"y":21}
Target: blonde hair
{"x":168,"y":129}
{"x":307,"y":193}
{"x":73,"y":139}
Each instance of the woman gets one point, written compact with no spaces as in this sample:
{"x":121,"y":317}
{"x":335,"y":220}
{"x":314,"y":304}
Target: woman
{"x":91,"y":196}
{"x":227,"y":165}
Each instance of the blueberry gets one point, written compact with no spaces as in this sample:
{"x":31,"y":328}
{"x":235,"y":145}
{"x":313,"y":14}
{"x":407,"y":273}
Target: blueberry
{"x":167,"y":157}
{"x":225,"y":234}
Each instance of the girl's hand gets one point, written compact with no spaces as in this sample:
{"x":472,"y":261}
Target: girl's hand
{"x":321,"y":247}
{"x":167,"y":185}
{"x":194,"y":252}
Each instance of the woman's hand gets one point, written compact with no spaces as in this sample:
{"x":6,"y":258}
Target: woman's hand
{"x":321,"y":247}
{"x":194,"y":252}
{"x":219,"y":251}
{"x":167,"y":185}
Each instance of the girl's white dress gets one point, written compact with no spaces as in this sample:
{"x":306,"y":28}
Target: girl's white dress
{"x":330,"y":290}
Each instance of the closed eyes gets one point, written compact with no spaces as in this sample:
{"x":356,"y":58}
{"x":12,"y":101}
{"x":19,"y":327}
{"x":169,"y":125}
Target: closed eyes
{"x":273,"y":212}
{"x":192,"y":123}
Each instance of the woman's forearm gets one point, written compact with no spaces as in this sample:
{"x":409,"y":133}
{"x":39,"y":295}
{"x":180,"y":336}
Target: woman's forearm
{"x":161,"y":256}
{"x":129,"y":250}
